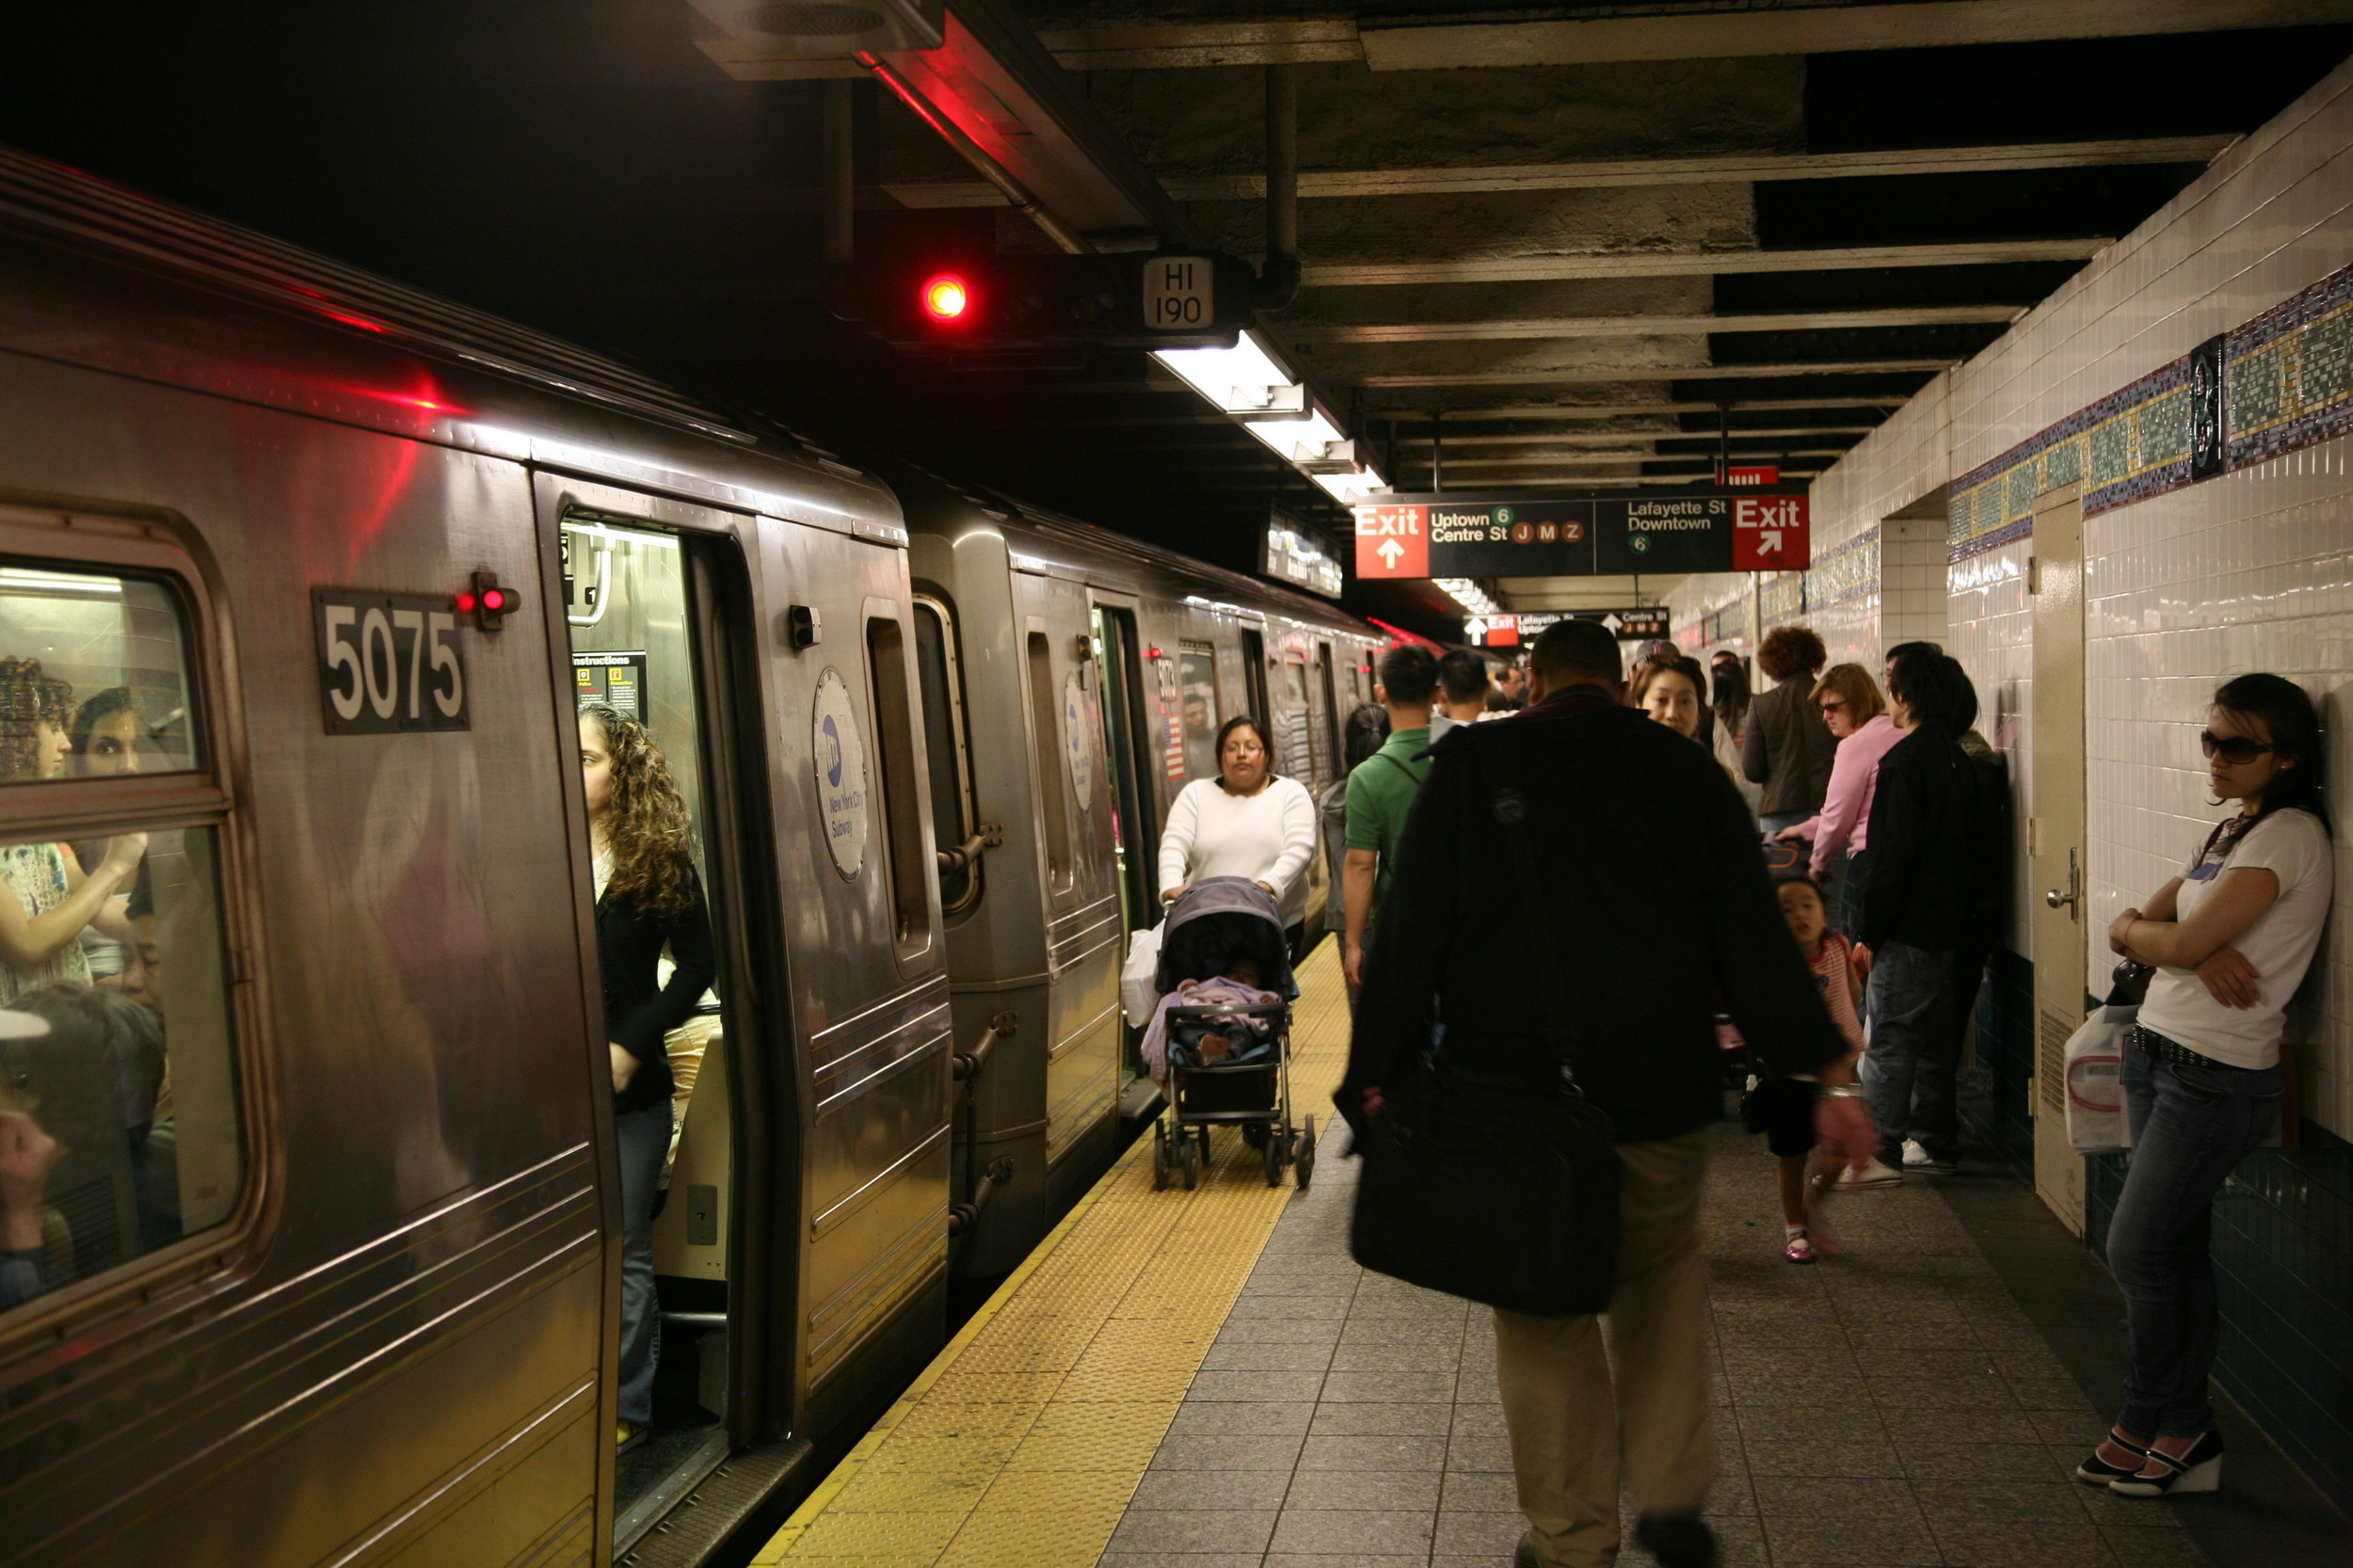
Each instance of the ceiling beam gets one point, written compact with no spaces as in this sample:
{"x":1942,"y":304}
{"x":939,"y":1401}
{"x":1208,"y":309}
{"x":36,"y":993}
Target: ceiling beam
{"x":1706,"y":169}
{"x":1652,"y":327}
{"x":1592,"y":460}
{"x":1586,"y":375}
{"x":1626,"y":410}
{"x":1456,"y":440}
{"x":1151,"y":46}
{"x":1723,"y":31}
{"x":1603,"y":481}
{"x":1692,"y":264}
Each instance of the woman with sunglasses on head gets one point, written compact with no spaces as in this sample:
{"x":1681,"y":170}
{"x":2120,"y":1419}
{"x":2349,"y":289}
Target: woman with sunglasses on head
{"x":2230,"y":939}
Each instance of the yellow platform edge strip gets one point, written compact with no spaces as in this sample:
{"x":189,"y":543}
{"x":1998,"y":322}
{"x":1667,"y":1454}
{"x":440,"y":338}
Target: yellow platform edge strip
{"x":1318,"y":1049}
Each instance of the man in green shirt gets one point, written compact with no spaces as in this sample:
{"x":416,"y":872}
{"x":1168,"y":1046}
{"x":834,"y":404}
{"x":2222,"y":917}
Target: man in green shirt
{"x":1381,"y":791}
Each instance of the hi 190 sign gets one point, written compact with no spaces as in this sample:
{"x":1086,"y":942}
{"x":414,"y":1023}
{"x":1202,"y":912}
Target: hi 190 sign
{"x":1518,"y":535}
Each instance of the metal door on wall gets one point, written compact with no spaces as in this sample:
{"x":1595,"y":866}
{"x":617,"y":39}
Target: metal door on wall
{"x":2055,"y":839}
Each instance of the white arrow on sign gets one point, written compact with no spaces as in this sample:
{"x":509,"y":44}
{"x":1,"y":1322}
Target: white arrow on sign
{"x":1613,"y":622}
{"x":1390,"y":550}
{"x":1769,"y":541}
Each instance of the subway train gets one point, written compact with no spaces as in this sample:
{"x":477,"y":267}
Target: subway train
{"x":307,"y":1152}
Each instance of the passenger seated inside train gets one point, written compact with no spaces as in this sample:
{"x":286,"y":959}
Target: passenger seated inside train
{"x":80,"y":1076}
{"x":47,"y":898}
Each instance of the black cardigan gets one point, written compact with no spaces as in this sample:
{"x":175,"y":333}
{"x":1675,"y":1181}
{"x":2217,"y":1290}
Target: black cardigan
{"x":1932,"y":845}
{"x":1656,"y":898}
{"x":638,"y":1014}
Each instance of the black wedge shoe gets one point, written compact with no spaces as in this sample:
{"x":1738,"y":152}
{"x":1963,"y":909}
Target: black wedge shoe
{"x":2199,"y":1470}
{"x":2096,"y":1471}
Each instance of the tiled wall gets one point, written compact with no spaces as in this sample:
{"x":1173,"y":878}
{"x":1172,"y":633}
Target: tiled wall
{"x":2186,"y":584}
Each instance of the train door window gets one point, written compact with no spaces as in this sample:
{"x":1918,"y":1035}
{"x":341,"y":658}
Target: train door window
{"x":1048,"y":771}
{"x":1128,"y":751}
{"x":939,"y":675}
{"x":121,"y":1121}
{"x":1197,"y":683}
{"x":911,"y":868}
{"x":1296,"y":751}
{"x":1254,"y":675}
{"x":1331,"y":725}
{"x":639,"y":669}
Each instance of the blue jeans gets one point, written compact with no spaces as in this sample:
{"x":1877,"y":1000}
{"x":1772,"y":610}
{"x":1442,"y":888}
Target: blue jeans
{"x":645,"y":1139}
{"x":2190,"y":1126}
{"x":1910,"y":1073}
{"x":1773,"y":822}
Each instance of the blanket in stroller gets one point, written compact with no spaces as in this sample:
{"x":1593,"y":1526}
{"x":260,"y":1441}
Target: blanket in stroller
{"x":1208,"y":1042}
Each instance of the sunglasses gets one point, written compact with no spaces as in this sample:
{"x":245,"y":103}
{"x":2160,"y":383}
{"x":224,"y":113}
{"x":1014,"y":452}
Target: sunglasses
{"x":2237,"y":750}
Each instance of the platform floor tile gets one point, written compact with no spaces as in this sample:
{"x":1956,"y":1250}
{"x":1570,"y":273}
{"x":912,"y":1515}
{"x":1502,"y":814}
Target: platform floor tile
{"x":1025,"y":1439}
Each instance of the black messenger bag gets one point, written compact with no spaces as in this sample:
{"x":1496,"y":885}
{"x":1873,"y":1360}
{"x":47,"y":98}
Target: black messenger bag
{"x":1502,"y":1192}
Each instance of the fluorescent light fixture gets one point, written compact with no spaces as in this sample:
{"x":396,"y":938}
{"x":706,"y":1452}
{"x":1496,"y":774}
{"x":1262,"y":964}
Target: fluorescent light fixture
{"x":1245,"y":378}
{"x":1467,"y":594}
{"x":1350,"y":488}
{"x":1300,"y":441}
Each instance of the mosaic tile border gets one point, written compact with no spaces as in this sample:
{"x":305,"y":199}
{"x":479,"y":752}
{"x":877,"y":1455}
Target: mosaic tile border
{"x":2290,"y":385}
{"x":1848,"y":569}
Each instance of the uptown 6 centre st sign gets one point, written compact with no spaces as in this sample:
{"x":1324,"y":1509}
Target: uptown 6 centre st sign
{"x":1501,"y":535}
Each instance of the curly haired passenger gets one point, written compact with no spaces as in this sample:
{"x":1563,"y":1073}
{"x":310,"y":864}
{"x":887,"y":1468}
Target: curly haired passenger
{"x":46,"y":899}
{"x":648,"y":899}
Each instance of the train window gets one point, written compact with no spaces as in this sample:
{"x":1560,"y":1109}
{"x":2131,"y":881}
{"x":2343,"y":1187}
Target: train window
{"x":95,"y":680}
{"x":940,"y":676}
{"x":1254,"y":675}
{"x":1196,"y":679}
{"x":894,"y":735}
{"x":1049,"y":772}
{"x":120,"y":1113}
{"x":1295,"y":752}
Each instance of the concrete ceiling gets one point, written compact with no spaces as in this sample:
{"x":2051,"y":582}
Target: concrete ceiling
{"x":1589,"y":245}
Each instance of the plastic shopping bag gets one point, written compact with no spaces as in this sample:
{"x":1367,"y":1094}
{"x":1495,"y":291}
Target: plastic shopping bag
{"x":2098,"y":1121}
{"x":1139,"y":978}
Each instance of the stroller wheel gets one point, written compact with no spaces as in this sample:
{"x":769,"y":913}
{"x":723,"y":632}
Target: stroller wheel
{"x":1188,"y":1162}
{"x":1277,"y":1145}
{"x":1160,"y":1156}
{"x":1304,"y":1153}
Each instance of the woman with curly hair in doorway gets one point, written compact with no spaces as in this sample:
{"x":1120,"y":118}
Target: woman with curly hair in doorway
{"x":648,"y":899}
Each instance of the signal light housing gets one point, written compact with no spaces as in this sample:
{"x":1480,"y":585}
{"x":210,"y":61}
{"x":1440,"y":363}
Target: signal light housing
{"x":488,"y":601}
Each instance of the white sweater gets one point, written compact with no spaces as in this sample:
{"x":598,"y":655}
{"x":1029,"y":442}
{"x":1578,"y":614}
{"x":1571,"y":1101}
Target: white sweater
{"x":1268,"y":836}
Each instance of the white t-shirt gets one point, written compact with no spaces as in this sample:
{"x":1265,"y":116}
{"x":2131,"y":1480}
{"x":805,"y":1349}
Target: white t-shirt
{"x":2292,"y":846}
{"x":1268,"y":836}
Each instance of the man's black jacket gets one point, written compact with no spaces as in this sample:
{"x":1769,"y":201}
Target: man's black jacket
{"x":1930,"y":844}
{"x":1657,"y":899}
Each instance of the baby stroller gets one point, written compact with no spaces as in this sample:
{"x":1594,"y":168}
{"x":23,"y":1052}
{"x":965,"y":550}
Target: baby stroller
{"x":1228,"y":1063}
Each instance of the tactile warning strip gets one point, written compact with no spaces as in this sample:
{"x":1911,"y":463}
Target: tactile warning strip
{"x":1023,"y":1440}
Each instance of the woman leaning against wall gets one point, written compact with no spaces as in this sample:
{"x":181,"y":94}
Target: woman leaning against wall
{"x":2231,"y":939}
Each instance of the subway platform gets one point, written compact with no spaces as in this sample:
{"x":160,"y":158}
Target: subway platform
{"x":1206,"y":1379}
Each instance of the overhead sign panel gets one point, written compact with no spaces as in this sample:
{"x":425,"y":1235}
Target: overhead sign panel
{"x":1506,"y":535}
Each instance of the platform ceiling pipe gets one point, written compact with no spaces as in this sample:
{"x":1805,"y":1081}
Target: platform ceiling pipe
{"x":1282,"y":184}
{"x":840,"y":175}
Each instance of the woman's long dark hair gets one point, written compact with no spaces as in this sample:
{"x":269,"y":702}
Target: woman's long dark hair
{"x":2286,"y":714}
{"x":1728,"y":685}
{"x":1368,"y":727}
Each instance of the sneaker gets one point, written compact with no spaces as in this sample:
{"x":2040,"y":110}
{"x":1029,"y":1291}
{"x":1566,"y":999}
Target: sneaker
{"x":1918,"y":1158}
{"x":628,"y":1436}
{"x":1877,"y":1173}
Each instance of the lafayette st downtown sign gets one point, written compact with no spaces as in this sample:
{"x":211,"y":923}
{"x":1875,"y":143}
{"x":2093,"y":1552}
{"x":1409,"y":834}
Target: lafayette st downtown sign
{"x":1508,"y":534}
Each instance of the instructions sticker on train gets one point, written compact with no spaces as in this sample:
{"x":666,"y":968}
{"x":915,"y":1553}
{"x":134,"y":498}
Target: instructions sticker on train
{"x":839,"y":753}
{"x":388,"y":662}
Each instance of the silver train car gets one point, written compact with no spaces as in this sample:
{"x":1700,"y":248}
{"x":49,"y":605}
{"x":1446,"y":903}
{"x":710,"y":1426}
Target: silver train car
{"x":1074,"y":681}
{"x":337,"y":1280}
{"x":309,"y":1194}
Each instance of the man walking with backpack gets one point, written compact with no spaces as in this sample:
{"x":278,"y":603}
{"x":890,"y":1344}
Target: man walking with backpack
{"x":1589,"y":809}
{"x":1381,"y":791}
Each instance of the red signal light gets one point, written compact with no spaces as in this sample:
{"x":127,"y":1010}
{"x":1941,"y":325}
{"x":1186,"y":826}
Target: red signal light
{"x":946,"y":297}
{"x":466,"y":602}
{"x":487,"y":602}
{"x":494,"y":600}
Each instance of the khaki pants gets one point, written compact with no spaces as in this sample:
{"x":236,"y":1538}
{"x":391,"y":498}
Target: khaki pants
{"x":1575,"y":1428}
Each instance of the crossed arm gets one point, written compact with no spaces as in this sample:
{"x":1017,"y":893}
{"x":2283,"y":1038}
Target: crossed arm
{"x":2156,"y":935}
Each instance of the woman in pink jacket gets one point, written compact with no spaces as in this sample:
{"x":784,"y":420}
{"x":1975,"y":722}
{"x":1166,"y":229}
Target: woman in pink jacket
{"x":1851,"y":706}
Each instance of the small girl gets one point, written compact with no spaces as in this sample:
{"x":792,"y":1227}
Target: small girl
{"x":1782,"y":1108}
